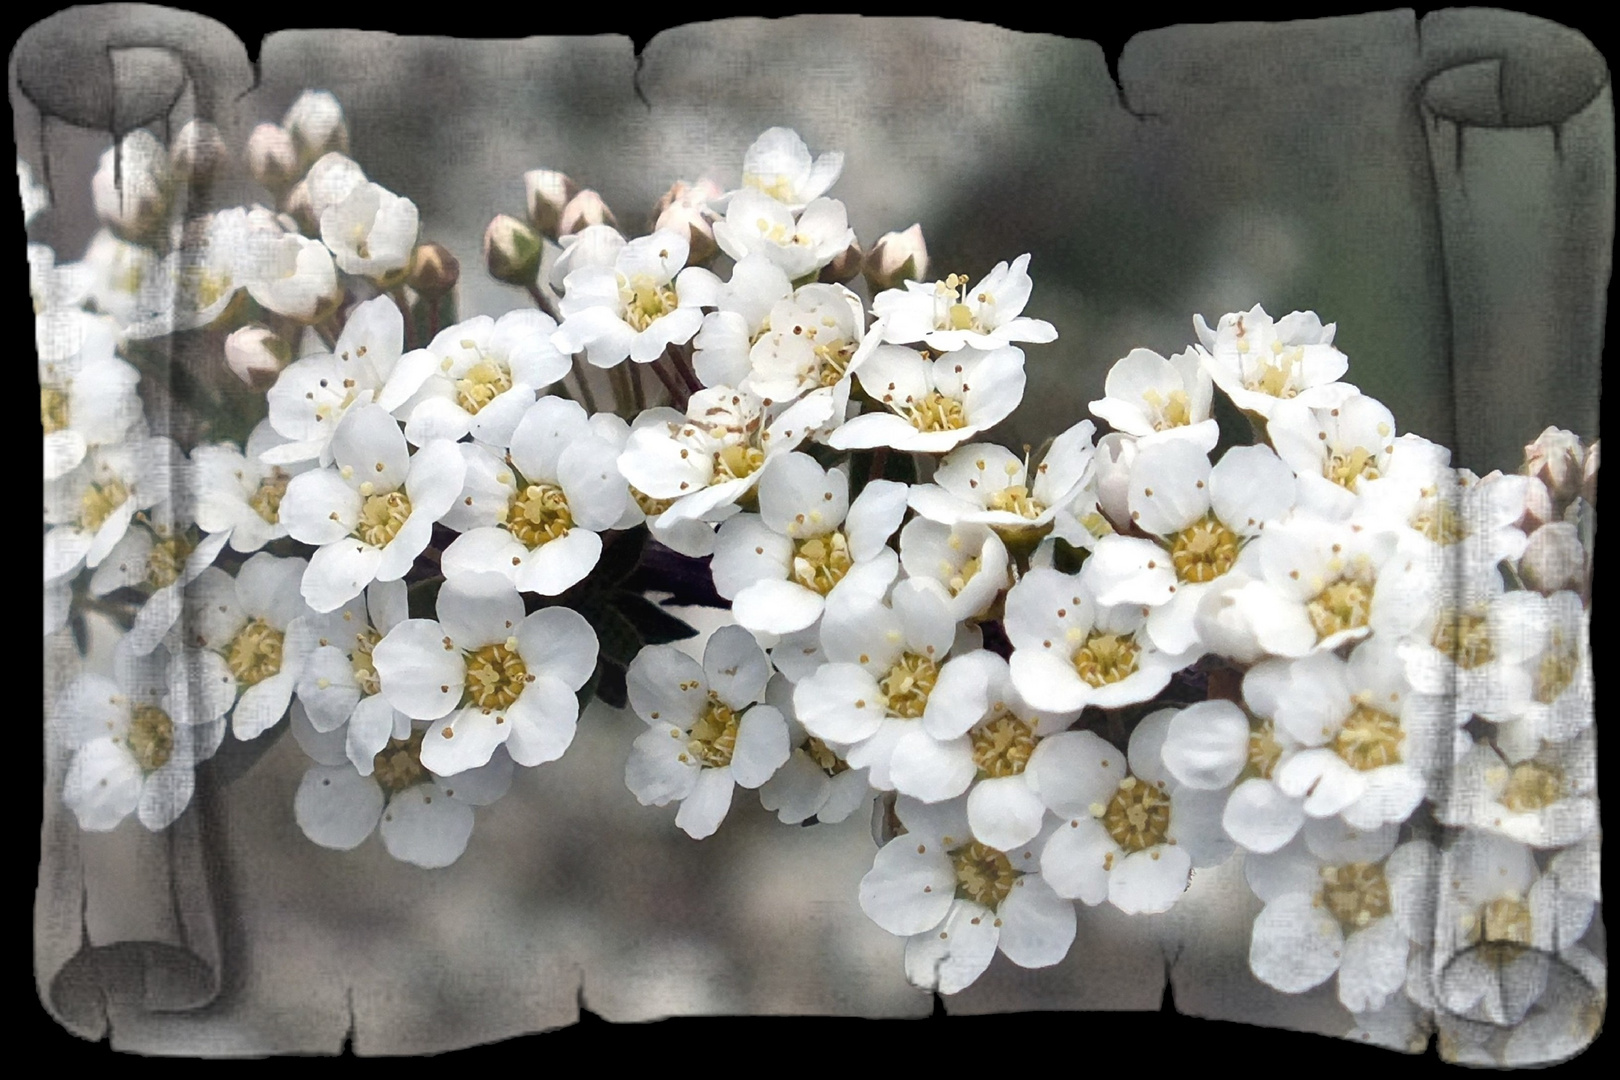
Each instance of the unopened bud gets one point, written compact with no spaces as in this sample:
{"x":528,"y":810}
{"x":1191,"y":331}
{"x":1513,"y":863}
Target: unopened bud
{"x":331,"y":180}
{"x":512,"y":251}
{"x":584,"y":210}
{"x":684,"y":208}
{"x":1115,"y":454}
{"x":549,"y":193}
{"x":1538,"y":507}
{"x":1556,"y":458}
{"x":896,"y":257}
{"x":197,"y":153}
{"x":301,"y":210}
{"x":315,"y":122}
{"x":1589,"y":474}
{"x":131,"y":186}
{"x":256,"y":355}
{"x":272,"y":158}
{"x":1554,"y":559}
{"x":434,"y":271}
{"x":844,"y":267}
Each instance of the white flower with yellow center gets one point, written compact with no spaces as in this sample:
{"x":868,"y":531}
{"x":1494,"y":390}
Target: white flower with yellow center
{"x":692,"y":537}
{"x":1548,"y":640}
{"x":711,"y":457}
{"x":1005,"y":806}
{"x":594,"y":245}
{"x":1200,"y":520}
{"x":339,"y":689}
{"x":1341,"y":902}
{"x":986,"y":484}
{"x":371,"y":512}
{"x":89,"y":508}
{"x":488,"y":676}
{"x":1448,"y":515}
{"x":133,"y":184}
{"x":240,"y":644}
{"x":535,"y":517}
{"x":1546,"y":799}
{"x":1153,"y":399}
{"x":477,"y":377}
{"x":133,"y":753}
{"x":707,"y":731}
{"x":807,"y":545}
{"x":160,"y":554}
{"x":894,"y":696}
{"x":237,"y":493}
{"x":947,"y":315}
{"x":133,"y":284}
{"x":639,"y":306}
{"x":968,"y":561}
{"x":424,"y":819}
{"x":778,"y":164}
{"x":371,"y":233}
{"x":959,"y":901}
{"x":742,"y":316}
{"x":1473,"y":640}
{"x":1129,"y":831}
{"x":1328,"y":574}
{"x":87,"y":394}
{"x":212,"y":268}
{"x":1069,"y":651}
{"x":312,"y":395}
{"x":815,"y":781}
{"x":1259,"y":363}
{"x":933,"y":405}
{"x":800,"y":242}
{"x":1334,"y":449}
{"x":812,"y":344}
{"x":287,"y":273}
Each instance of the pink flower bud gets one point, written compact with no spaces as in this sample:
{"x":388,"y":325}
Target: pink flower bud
{"x":315,"y":122}
{"x":844,"y":267}
{"x":256,"y":355}
{"x":896,"y":257}
{"x":272,"y":158}
{"x":1589,"y":475}
{"x":433,"y":271}
{"x":584,"y":210}
{"x":1554,"y":559}
{"x":1556,"y":458}
{"x":685,"y":208}
{"x":197,"y":152}
{"x":549,"y":194}
{"x":1538,"y":507}
{"x":512,"y":251}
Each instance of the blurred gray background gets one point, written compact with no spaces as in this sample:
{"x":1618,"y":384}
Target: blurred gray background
{"x":1458,"y":228}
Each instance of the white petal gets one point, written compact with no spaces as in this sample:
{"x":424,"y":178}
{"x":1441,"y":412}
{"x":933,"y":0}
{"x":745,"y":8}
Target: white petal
{"x":907,"y":892}
{"x":930,"y":770}
{"x":1077,"y":860}
{"x":1295,"y":944}
{"x":1004,"y":812}
{"x":1074,"y":770}
{"x":1037,"y":925}
{"x":542,"y":722}
{"x":1207,"y":744}
{"x":419,"y":676}
{"x":952,"y":955}
{"x":422,"y":827}
{"x":1141,"y":884}
{"x":337,"y":807}
{"x":705,"y":808}
{"x":1373,"y":967}
{"x":1260,"y":817}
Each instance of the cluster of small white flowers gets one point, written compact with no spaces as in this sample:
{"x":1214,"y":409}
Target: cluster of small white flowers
{"x":1074,"y":674}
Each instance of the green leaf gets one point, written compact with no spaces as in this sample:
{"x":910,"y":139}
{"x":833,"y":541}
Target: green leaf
{"x":1066,"y":557}
{"x":616,"y":634}
{"x":653,"y":624}
{"x":422,"y":598}
{"x":1235,"y":427}
{"x":610,"y":686}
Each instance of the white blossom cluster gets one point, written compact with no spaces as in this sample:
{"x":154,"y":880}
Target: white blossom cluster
{"x":1077,"y":674}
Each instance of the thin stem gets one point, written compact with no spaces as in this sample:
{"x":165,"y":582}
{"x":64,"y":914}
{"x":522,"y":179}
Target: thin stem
{"x":684,"y":367}
{"x":433,"y":320}
{"x":880,"y":459}
{"x":324,"y":332}
{"x":541,"y":301}
{"x":619,"y":379}
{"x":638,"y":393}
{"x":586,"y":397}
{"x":677,"y":392}
{"x":398,"y":293}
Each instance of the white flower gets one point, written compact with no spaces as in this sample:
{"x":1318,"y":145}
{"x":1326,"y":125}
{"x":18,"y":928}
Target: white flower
{"x":535,"y":517}
{"x":801,"y":243}
{"x":934,"y":405}
{"x":1546,"y":799}
{"x":986,"y":484}
{"x":1069,"y":651}
{"x":1330,"y":576}
{"x":1451,"y":515}
{"x":1342,"y":904}
{"x":1550,"y":638}
{"x":594,"y":245}
{"x":742,"y":315}
{"x":815,"y":781}
{"x":487,"y":675}
{"x":1473,"y":640}
{"x":692,"y":537}
{"x":476,"y":377}
{"x":312,"y":395}
{"x":87,"y":394}
{"x":812,"y":344}
{"x":1200,"y":519}
{"x":891,"y":696}
{"x":211,"y":267}
{"x":130,"y":755}
{"x":371,"y":232}
{"x":958,"y":901}
{"x":35,"y":196}
{"x":1133,"y":835}
{"x":370,"y":513}
{"x":1259,"y":363}
{"x":1334,"y":449}
{"x":333,"y":178}
{"x":778,"y":163}
{"x":1006,"y":807}
{"x":132,"y":184}
{"x":235,"y":492}
{"x":706,"y":732}
{"x":807,"y":545}
{"x":132,"y":284}
{"x":240,"y":643}
{"x":630,"y":309}
{"x":947,"y":315}
{"x":289,"y":274}
{"x":89,"y":508}
{"x":423,"y":818}
{"x":338,"y":690}
{"x":1152,"y":399}
{"x":968,"y":561}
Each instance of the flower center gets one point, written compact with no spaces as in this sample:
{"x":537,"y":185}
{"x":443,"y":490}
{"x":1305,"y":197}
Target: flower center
{"x":1463,"y":637}
{"x":1533,"y":786}
{"x":1343,"y":605}
{"x":1273,"y":375}
{"x":713,"y":738}
{"x":983,"y":874}
{"x":1204,"y":550}
{"x":482,"y":384}
{"x":1556,"y":671}
{"x":824,"y":757}
{"x":833,"y":357}
{"x":99,"y":501}
{"x":254,"y":654}
{"x":381,"y":518}
{"x":538,"y":514}
{"x":955,"y":312}
{"x":496,"y":675}
{"x":907,"y":685}
{"x":1138,"y":816}
{"x":53,"y":409}
{"x":365,"y":669}
{"x":776,"y":185}
{"x":1354,"y":894}
{"x":1176,"y":412}
{"x":1502,"y":929}
{"x":737,"y":461}
{"x":151,"y":737}
{"x":1016,"y":499}
{"x":1106,"y":658}
{"x":167,"y":559}
{"x":957,"y":577}
{"x":266,"y":499}
{"x":645,"y":302}
{"x":1369,"y":739}
{"x":1002,"y":745}
{"x":1347,"y":468}
{"x":650,"y":506}
{"x":398,"y":765}
{"x":1264,"y":749}
{"x":936,"y":412}
{"x":1436,"y":519}
{"x":820,"y":562}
